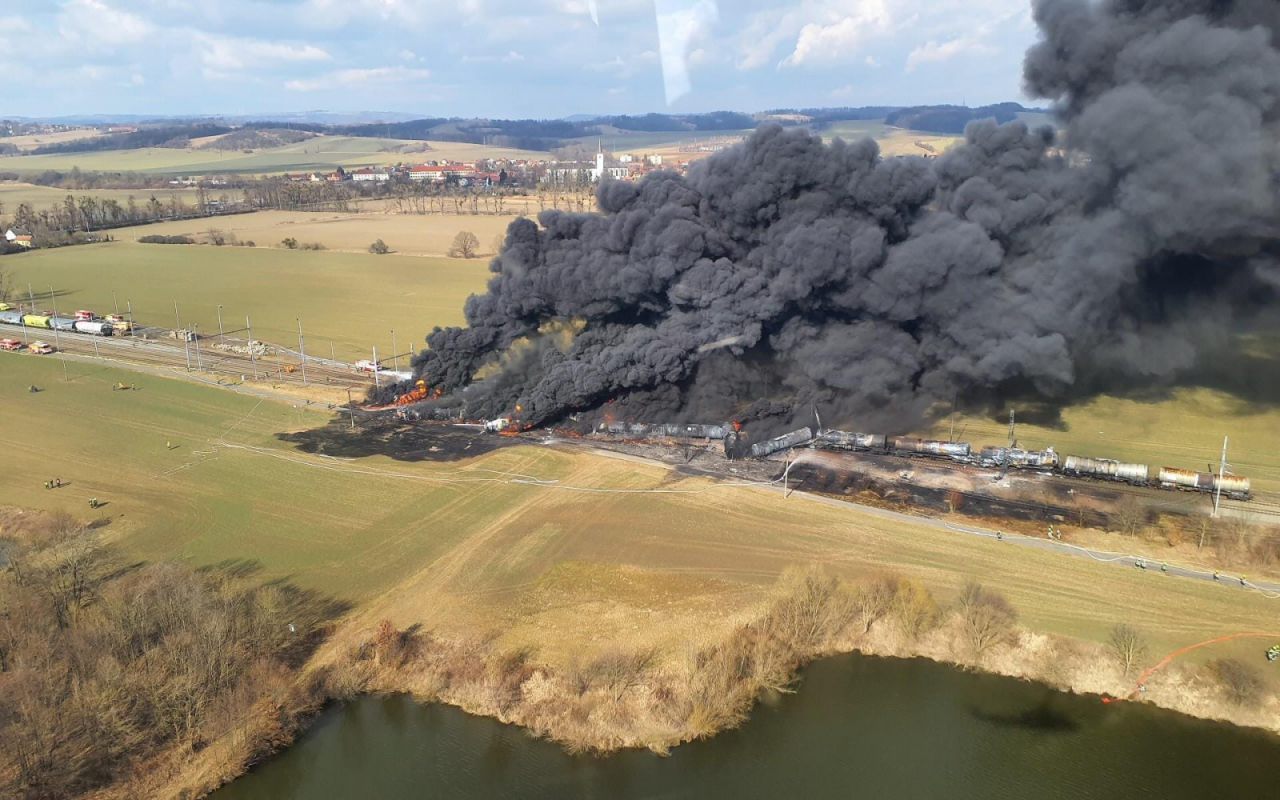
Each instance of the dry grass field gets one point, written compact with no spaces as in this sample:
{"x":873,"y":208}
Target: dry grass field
{"x":33,"y":140}
{"x":13,"y":193}
{"x":600,"y":552}
{"x":405,"y":234}
{"x":319,"y":153}
{"x":893,"y":141}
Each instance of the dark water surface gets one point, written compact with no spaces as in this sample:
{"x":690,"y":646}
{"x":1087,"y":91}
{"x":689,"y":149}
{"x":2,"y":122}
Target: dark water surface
{"x":858,"y":727}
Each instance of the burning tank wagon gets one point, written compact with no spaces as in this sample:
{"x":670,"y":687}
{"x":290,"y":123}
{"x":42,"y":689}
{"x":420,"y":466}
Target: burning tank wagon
{"x":738,"y":445}
{"x":1236,"y":487}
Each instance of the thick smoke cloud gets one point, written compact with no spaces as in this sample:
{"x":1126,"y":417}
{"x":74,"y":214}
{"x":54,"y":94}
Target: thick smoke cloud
{"x":1121,"y":249}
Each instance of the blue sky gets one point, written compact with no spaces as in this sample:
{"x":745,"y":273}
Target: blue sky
{"x":504,"y":58}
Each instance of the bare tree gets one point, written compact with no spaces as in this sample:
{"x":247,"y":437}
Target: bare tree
{"x":872,"y":602}
{"x":986,"y":617}
{"x":1239,"y":682}
{"x":811,"y":613}
{"x":618,"y":671}
{"x":914,"y":608}
{"x":1127,"y":647}
{"x":465,"y":245}
{"x":1129,"y":516}
{"x":6,"y":284}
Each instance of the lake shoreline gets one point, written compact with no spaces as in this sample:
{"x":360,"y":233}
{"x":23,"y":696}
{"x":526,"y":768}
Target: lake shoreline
{"x":632,"y":703}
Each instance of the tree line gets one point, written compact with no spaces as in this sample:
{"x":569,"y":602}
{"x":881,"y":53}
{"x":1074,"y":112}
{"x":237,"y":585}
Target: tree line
{"x":106,"y":666}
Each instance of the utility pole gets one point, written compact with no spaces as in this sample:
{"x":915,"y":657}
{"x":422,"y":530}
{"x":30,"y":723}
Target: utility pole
{"x":302,"y":352}
{"x":1222,"y":469}
{"x":221,"y":337}
{"x":375,"y":366}
{"x":249,"y":326}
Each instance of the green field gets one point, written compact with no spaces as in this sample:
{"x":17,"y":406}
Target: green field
{"x":319,"y":153}
{"x":1184,"y":430}
{"x":41,"y":197}
{"x":467,"y":546}
{"x":351,"y":301}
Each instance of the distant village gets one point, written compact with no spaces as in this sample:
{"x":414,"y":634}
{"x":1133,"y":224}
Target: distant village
{"x":487,"y":173}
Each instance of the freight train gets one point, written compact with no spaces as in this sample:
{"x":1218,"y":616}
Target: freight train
{"x":1237,"y":487}
{"x":85,"y":322}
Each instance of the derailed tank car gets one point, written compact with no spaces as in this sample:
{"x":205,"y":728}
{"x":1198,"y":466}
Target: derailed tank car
{"x":844,"y":440}
{"x":1017,"y":458}
{"x":911,"y":446}
{"x":784,"y":442}
{"x":640,"y":430}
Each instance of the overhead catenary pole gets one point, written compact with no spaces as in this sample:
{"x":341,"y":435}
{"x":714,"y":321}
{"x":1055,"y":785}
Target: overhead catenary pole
{"x":177,"y":330}
{"x":57,"y":342}
{"x":375,"y":366}
{"x":252,"y":360}
{"x":351,"y":409}
{"x":129,"y":303}
{"x":221,"y":335}
{"x":115,"y":303}
{"x":196,"y":333}
{"x":302,"y":352}
{"x":1222,"y":470}
{"x":395,"y":352}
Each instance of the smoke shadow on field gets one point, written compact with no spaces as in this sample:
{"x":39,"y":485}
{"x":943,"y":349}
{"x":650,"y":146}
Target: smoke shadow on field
{"x":1247,"y":371}
{"x":403,"y":441}
{"x":303,"y":617}
{"x":235,"y":567}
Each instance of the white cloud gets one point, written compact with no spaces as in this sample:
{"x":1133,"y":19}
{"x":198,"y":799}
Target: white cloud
{"x":94,"y":24}
{"x":14,"y":24}
{"x":358,"y":77}
{"x":510,"y":57}
{"x":933,"y":51}
{"x":838,"y":37}
{"x":341,"y":13}
{"x":872,"y":61}
{"x":223,"y":56}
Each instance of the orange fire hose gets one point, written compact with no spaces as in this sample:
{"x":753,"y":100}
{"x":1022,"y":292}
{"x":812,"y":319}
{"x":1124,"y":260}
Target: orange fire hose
{"x":1164,"y":662}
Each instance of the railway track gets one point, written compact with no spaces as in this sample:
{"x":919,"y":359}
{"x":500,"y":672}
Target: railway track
{"x":170,"y":353}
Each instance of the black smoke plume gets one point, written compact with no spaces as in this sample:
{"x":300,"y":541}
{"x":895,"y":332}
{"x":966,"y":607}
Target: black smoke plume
{"x":1120,"y":250}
